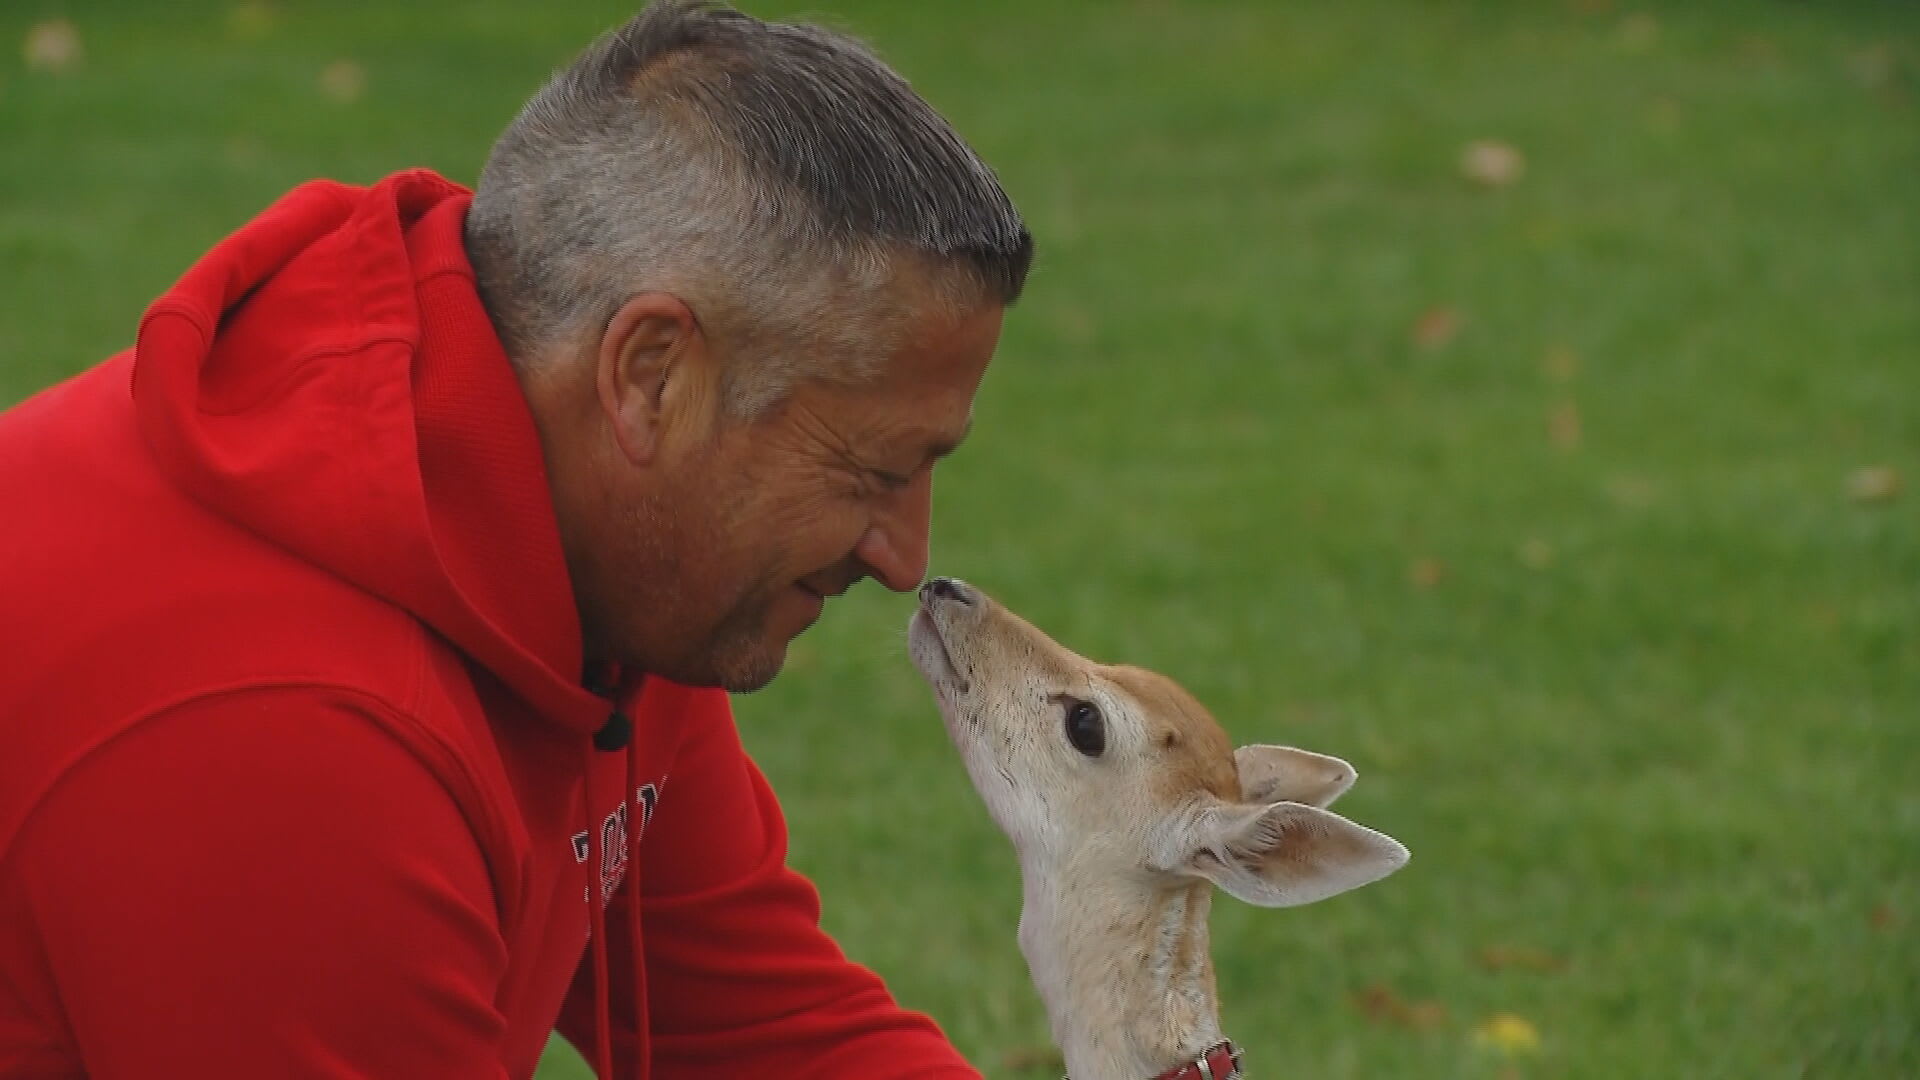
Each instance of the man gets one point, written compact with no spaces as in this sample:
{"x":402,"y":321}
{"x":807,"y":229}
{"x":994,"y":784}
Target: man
{"x":367,"y":626}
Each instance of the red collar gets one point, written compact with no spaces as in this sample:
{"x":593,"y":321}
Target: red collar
{"x":1221,"y":1061}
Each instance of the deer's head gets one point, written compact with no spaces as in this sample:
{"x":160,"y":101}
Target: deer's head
{"x":1117,"y":771}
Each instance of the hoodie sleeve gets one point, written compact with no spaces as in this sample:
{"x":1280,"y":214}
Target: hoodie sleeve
{"x":741,"y":981}
{"x":263,"y":883}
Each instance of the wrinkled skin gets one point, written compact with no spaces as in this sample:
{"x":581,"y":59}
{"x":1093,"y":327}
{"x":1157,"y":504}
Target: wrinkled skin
{"x":701,"y":545}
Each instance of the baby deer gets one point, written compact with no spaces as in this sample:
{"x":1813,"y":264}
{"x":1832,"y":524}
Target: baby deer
{"x":1126,"y":805}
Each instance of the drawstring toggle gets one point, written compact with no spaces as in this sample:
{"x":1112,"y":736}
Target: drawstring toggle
{"x":614,"y":734}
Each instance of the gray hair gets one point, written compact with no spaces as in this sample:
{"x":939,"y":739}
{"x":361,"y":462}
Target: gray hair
{"x":780,"y":179}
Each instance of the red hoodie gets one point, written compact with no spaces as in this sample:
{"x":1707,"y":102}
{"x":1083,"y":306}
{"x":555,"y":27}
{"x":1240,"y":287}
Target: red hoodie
{"x":297,"y":774}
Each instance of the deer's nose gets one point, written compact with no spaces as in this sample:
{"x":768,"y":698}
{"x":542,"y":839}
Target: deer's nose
{"x":947,"y":588}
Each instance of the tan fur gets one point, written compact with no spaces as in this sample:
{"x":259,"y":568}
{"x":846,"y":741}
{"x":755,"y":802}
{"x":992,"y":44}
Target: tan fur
{"x":1199,"y":757}
{"x":1120,"y":852}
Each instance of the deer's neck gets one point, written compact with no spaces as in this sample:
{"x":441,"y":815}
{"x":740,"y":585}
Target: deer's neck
{"x":1124,"y":970}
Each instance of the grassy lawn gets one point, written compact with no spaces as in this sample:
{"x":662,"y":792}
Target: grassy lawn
{"x":1542,"y":502}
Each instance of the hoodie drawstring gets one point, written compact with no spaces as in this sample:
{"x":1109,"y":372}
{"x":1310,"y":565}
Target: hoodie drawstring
{"x":597,"y":923}
{"x":636,"y":825}
{"x":615,"y":736}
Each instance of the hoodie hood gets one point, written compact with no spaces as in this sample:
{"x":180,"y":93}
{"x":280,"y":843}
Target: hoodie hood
{"x":327,"y":378}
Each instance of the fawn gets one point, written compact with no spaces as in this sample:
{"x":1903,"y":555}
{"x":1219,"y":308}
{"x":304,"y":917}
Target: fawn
{"x":1126,"y":805}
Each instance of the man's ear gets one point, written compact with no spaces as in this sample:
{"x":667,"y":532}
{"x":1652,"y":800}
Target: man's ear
{"x":1282,"y":773}
{"x":1286,"y":854}
{"x":651,"y":345}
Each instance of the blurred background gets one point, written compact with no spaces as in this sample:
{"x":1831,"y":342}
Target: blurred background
{"x":1520,"y":400}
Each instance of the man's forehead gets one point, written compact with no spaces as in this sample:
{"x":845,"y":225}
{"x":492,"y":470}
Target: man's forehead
{"x":925,"y":395}
{"x":944,"y":342}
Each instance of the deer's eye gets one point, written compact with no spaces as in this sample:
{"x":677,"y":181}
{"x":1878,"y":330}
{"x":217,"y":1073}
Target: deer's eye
{"x":1086,"y":728}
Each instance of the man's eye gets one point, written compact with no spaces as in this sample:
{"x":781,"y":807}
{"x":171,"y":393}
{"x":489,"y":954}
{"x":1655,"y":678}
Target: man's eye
{"x":891,"y":481}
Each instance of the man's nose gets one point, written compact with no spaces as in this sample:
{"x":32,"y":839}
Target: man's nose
{"x":894,"y":547}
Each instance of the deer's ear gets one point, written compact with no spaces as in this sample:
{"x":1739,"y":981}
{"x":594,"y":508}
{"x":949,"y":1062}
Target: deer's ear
{"x":1286,"y":854}
{"x":1283,"y":774}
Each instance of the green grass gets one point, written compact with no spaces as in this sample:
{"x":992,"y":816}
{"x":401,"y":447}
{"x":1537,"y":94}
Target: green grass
{"x":1644,"y":704}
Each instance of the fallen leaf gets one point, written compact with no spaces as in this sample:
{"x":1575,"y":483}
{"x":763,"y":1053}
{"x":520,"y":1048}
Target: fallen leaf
{"x":1436,"y":326}
{"x":1823,"y":617}
{"x":1881,"y":917}
{"x":1426,"y":573}
{"x":1873,"y":483}
{"x":1299,"y":713}
{"x":1759,"y":50}
{"x":1630,"y":491}
{"x":1381,"y":1004}
{"x":1378,"y":1002}
{"x":1507,"y":1034}
{"x":1563,"y":426}
{"x":1033,"y":1057}
{"x":1639,"y":31}
{"x":343,"y":81}
{"x":1536,"y":554}
{"x":244,"y":151}
{"x":802,"y":656}
{"x":1492,"y":163}
{"x":250,"y":21}
{"x":53,"y":45}
{"x":1663,"y":116}
{"x":1520,"y":958}
{"x":1074,"y":324}
{"x":1561,"y":363}
{"x":1873,"y":66}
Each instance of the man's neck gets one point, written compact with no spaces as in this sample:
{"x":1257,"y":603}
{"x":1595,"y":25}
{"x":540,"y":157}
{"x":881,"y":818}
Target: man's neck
{"x":1124,"y":970}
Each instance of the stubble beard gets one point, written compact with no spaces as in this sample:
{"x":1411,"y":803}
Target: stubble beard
{"x":735,"y":655}
{"x":742,"y":657}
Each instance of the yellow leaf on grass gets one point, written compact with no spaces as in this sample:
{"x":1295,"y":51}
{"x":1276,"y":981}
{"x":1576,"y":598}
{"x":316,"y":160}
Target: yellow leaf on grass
{"x":1507,"y":1034}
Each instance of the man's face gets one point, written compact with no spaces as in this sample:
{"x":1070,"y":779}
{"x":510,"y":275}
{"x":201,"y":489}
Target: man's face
{"x":751,"y":526}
